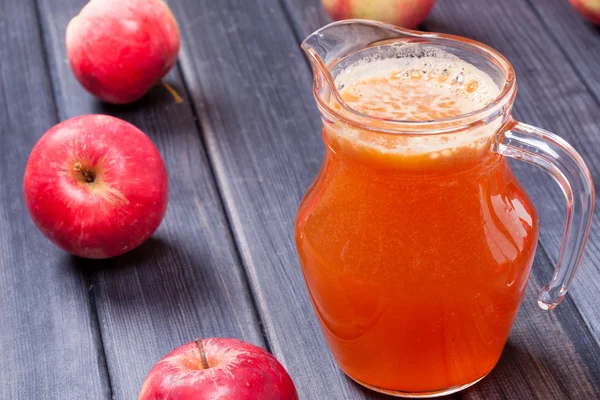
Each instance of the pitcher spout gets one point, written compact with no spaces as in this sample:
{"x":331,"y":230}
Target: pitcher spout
{"x":336,"y":41}
{"x":340,"y":39}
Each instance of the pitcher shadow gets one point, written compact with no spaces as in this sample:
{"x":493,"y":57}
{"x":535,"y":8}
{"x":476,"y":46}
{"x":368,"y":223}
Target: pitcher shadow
{"x":140,"y":255}
{"x":371,"y":394}
{"x":524,"y":368}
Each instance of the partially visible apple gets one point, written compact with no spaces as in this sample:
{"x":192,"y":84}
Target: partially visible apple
{"x":404,"y":13}
{"x":590,"y":9}
{"x":218,"y":369}
{"x":118,"y":49}
{"x":96,"y":186}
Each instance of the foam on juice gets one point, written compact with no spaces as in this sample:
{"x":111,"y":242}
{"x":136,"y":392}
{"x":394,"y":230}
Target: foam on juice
{"x":427,"y":88}
{"x":416,"y":89}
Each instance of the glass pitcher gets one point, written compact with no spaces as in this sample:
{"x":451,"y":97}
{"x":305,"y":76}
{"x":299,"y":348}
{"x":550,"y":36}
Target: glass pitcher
{"x":415,"y":239}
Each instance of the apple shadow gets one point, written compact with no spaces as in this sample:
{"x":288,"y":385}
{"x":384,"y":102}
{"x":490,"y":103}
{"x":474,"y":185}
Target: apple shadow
{"x":157,"y":97}
{"x":139,"y":255}
{"x":157,"y":279}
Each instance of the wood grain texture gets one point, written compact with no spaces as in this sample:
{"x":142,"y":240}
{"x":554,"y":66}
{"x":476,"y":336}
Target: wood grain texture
{"x":48,"y":338}
{"x":185,"y":282}
{"x":578,"y":38}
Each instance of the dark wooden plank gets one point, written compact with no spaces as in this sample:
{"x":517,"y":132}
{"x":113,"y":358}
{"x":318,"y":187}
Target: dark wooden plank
{"x":307,"y":16}
{"x":187,"y":281}
{"x":577,"y":38}
{"x":245,"y":117}
{"x":49,"y":334}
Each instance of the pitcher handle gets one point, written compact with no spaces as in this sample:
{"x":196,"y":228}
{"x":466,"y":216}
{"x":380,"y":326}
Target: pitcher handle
{"x":558,"y":158}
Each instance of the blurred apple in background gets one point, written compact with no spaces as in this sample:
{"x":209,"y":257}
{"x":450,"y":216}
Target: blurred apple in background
{"x":118,"y":49}
{"x":590,"y":9}
{"x":404,"y":13}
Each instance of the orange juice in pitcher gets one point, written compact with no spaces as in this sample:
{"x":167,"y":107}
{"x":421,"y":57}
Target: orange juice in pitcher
{"x":415,"y":239}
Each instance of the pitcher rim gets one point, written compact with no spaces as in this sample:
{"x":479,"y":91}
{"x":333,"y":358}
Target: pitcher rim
{"x":399,"y":127}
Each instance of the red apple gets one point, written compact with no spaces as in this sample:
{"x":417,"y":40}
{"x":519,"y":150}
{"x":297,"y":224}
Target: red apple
{"x":590,"y":9}
{"x":405,"y":13}
{"x":218,"y":369}
{"x":96,"y":186}
{"x":118,"y":49}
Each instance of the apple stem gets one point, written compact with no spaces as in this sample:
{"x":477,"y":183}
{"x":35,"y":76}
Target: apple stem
{"x":202,"y":353}
{"x":176,"y":96}
{"x":89,"y":178}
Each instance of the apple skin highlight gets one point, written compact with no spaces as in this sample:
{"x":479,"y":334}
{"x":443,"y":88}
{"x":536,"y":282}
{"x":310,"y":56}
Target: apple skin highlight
{"x":96,"y":186}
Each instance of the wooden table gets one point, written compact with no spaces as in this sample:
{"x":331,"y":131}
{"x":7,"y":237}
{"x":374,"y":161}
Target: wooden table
{"x":240,"y":151}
